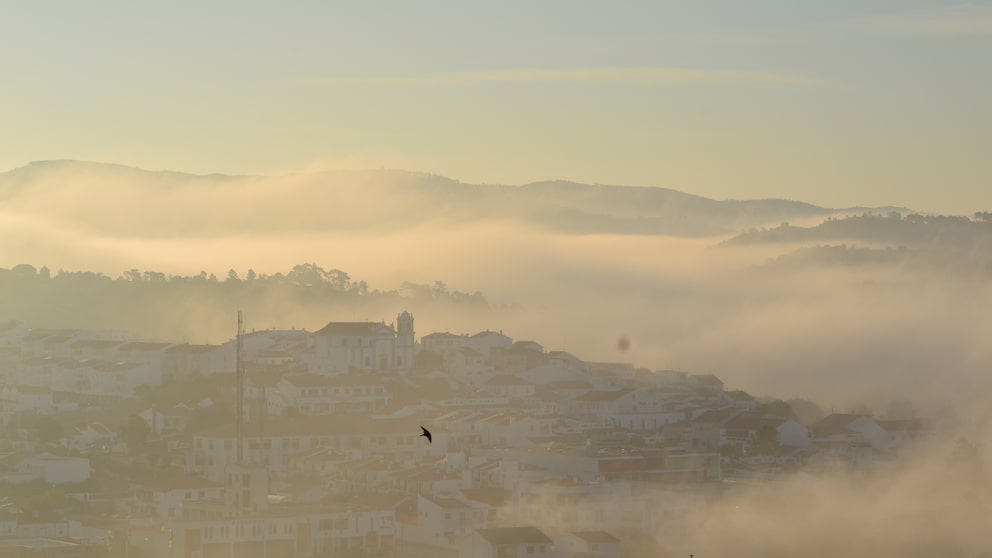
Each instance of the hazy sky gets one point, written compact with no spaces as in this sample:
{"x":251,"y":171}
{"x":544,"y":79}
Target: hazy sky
{"x":837,"y":103}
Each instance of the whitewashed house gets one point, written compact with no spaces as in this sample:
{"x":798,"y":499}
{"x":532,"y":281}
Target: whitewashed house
{"x":851,"y":427}
{"x":166,"y":419}
{"x":590,"y":544}
{"x":165,"y":498}
{"x":508,"y":385}
{"x":361,"y":346}
{"x":51,"y":468}
{"x":507,"y":542}
{"x":28,"y":399}
{"x":93,"y":434}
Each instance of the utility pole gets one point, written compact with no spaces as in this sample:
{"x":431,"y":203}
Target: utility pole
{"x":240,"y":387}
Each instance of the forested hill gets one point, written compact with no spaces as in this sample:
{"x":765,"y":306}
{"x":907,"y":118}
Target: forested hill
{"x":153,"y":304}
{"x":114,"y":200}
{"x":891,"y":229}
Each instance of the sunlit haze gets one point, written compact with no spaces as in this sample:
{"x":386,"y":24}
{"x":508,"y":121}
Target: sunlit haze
{"x":835,"y":103}
{"x":554,"y":279}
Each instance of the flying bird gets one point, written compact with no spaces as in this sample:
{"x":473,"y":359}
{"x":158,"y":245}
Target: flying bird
{"x":427,"y":434}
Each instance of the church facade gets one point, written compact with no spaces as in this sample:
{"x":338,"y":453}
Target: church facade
{"x":365,"y":346}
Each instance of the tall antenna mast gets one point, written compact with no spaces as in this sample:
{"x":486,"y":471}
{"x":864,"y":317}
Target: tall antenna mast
{"x":240,"y":397}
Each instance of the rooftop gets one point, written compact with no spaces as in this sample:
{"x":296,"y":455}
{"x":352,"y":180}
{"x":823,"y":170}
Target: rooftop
{"x":514,"y":535}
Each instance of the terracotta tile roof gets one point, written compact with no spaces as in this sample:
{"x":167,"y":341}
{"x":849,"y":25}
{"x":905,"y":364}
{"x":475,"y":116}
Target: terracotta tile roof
{"x":144,"y":346}
{"x":514,"y":535}
{"x":357,"y":329}
{"x":718,"y":416}
{"x":597,"y":396}
{"x":507,"y":380}
{"x":837,"y":423}
{"x":186,"y":482}
{"x":95,"y":343}
{"x":440,"y":335}
{"x":191,"y":349}
{"x":596,"y":537}
{"x":446,"y":503}
{"x":493,"y":497}
{"x":332,"y":425}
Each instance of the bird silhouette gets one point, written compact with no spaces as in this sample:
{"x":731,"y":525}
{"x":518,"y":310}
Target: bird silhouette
{"x":427,"y":434}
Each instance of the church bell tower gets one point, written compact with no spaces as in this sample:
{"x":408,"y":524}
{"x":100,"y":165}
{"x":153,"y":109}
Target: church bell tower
{"x":404,"y":341}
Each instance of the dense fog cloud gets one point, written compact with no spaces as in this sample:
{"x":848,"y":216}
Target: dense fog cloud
{"x":845,"y":336}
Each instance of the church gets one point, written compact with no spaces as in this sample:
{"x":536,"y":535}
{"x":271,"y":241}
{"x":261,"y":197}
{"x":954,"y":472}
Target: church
{"x":365,"y":346}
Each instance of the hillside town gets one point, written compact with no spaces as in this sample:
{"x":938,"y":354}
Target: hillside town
{"x":116,"y":446}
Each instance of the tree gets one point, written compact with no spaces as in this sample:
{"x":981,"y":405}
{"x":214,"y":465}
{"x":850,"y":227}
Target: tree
{"x":24,"y":269}
{"x":901,"y":409}
{"x":765,"y":440}
{"x":733,"y":451}
{"x":439,"y":289}
{"x":338,"y":279}
{"x":807,"y":412}
{"x":134,"y":432}
{"x":46,"y":429}
{"x":862,"y":408}
{"x":427,"y":361}
{"x":778,"y":409}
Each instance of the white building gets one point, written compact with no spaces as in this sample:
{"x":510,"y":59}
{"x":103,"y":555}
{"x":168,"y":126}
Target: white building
{"x":343,"y":346}
{"x":314,"y":394}
{"x":166,"y":419}
{"x":591,"y":544}
{"x":166,"y":498}
{"x":28,"y":399}
{"x":105,"y":378}
{"x":467,"y":365}
{"x":53,"y":469}
{"x":93,"y":434}
{"x":507,"y":542}
{"x":269,"y":443}
{"x":446,"y":520}
{"x":849,"y":427}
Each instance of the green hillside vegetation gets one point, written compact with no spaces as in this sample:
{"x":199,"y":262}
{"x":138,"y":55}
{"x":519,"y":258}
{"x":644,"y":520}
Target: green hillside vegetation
{"x":157,"y":305}
{"x":893,"y":229}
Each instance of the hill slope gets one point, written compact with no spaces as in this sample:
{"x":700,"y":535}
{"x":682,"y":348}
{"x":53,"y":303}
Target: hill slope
{"x":113,"y":200}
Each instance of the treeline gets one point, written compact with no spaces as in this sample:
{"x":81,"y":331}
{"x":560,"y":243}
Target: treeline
{"x":893,"y":228}
{"x":945,"y":262}
{"x":196,"y":307}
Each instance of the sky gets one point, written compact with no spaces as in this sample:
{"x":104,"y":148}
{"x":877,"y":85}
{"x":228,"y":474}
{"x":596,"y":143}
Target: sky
{"x":840,"y":103}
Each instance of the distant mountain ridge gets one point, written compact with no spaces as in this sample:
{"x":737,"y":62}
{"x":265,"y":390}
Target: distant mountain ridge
{"x":891,"y":229}
{"x":371,"y":199}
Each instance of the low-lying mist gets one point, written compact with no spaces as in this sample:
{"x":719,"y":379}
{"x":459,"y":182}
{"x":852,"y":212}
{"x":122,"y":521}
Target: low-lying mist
{"x":844,"y":336}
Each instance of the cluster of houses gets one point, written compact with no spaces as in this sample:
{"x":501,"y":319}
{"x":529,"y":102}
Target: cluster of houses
{"x":534,"y":453}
